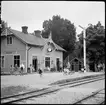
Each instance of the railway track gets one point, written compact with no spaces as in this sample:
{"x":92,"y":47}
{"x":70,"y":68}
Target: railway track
{"x":95,"y":96}
{"x":24,"y":96}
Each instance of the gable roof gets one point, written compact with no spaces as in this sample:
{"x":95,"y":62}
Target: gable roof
{"x":79,"y":59}
{"x":57,"y":46}
{"x":30,"y":39}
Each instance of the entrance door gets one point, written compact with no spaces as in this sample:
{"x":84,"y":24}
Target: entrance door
{"x":34,"y":63}
{"x":76,"y":66}
{"x":57,"y":63}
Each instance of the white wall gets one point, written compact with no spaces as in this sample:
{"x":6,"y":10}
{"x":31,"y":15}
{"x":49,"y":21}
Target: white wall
{"x":41,"y":53}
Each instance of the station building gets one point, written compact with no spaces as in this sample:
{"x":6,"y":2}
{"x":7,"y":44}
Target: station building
{"x":19,"y":47}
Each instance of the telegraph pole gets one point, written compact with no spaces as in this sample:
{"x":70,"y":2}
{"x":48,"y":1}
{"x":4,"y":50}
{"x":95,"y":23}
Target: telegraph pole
{"x":84,"y":45}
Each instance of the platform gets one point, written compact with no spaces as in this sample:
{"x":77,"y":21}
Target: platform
{"x":35,"y":81}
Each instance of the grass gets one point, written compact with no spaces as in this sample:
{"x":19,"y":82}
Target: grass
{"x":12,"y":90}
{"x":72,"y":79}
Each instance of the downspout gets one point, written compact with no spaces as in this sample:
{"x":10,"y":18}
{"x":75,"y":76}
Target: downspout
{"x":27,"y":49}
{"x":26,"y":58}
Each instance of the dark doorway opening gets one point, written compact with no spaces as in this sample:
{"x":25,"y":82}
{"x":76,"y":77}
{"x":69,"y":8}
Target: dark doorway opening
{"x":34,"y":63}
{"x":57,"y":63}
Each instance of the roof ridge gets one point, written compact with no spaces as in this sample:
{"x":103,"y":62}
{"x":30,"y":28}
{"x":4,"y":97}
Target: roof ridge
{"x":33,"y":39}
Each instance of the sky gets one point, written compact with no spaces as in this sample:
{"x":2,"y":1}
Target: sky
{"x":33,"y":13}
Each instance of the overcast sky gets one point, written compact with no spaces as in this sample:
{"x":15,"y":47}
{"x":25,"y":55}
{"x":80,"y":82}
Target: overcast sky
{"x":33,"y":13}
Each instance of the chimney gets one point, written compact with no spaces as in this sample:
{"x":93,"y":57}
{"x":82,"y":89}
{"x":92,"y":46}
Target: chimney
{"x":37,"y":33}
{"x":50,"y":37}
{"x":24,"y":29}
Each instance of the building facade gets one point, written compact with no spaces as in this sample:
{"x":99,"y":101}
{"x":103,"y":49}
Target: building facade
{"x":30,"y":49}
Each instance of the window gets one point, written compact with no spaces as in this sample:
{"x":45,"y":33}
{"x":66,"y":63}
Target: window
{"x":9,"y":39}
{"x":1,"y":61}
{"x":17,"y":60}
{"x":47,"y":61}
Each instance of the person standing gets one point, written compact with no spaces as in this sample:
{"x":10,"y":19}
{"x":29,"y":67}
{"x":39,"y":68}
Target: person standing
{"x":82,"y":69}
{"x":40,"y":72}
{"x":22,"y":68}
{"x":15,"y":69}
{"x":11,"y":70}
{"x":31,"y":68}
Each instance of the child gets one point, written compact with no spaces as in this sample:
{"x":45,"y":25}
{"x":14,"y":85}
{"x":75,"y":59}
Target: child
{"x":40,"y":72}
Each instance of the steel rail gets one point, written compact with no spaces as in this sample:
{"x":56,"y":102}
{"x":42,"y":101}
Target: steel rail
{"x":89,"y":96}
{"x":102,"y":102}
{"x":28,"y":92}
{"x":62,"y":84}
{"x":76,"y":81}
{"x":46,"y":91}
{"x":71,"y":80}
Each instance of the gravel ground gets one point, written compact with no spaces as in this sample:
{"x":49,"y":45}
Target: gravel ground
{"x":34,"y":80}
{"x":67,"y":95}
{"x":14,"y":84}
{"x":12,"y":90}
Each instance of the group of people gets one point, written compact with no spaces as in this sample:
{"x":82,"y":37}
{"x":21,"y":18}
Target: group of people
{"x":15,"y":69}
{"x":101,"y":66}
{"x":67,"y":69}
{"x":20,"y":70}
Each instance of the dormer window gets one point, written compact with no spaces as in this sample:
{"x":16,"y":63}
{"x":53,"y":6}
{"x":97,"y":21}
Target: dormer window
{"x":9,"y":40}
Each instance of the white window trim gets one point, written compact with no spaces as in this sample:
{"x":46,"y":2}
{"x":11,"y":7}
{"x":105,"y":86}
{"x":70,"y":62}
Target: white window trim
{"x":45,"y":61}
{"x":4,"y":62}
{"x":32,"y":57}
{"x":16,"y":55}
{"x":9,"y":40}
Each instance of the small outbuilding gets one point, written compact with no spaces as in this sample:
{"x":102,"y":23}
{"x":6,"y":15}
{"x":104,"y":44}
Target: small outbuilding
{"x":76,"y":64}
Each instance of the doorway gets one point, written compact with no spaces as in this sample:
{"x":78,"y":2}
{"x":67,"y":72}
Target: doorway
{"x":57,"y":63}
{"x":76,"y":65}
{"x":34,"y":63}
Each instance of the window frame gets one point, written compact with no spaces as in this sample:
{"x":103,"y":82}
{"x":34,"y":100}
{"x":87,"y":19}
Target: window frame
{"x":17,"y":59}
{"x":47,"y":61}
{"x":9,"y":40}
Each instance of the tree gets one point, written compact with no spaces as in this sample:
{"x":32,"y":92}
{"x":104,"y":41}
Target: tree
{"x":63,"y":32}
{"x":95,"y":43}
{"x":2,"y":25}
